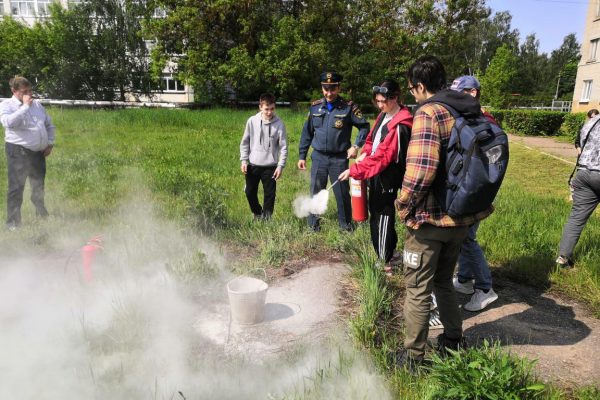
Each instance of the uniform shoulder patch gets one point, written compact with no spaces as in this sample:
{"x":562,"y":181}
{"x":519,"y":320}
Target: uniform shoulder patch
{"x":356,"y":110}
{"x":314,"y":103}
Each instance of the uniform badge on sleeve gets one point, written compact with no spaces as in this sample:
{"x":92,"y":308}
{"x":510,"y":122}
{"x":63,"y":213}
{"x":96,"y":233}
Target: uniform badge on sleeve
{"x":358,"y":113}
{"x":339,"y":123}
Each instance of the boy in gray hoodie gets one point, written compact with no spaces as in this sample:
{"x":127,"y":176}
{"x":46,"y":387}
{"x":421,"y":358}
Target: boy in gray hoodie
{"x":263,"y":152}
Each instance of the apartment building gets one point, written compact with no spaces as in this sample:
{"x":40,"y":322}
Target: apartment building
{"x":587,"y":85}
{"x":29,"y":11}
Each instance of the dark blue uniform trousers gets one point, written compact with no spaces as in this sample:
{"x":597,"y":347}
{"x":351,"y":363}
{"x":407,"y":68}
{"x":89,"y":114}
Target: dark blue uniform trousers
{"x":326,"y":165}
{"x":23,"y":163}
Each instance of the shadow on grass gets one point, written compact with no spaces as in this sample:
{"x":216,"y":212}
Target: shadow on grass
{"x":532,"y":270}
{"x":524,"y":315}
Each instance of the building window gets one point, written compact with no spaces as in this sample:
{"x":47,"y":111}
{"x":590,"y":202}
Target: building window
{"x":159,"y":13}
{"x":43,"y":7}
{"x":24,"y":8}
{"x":30,"y":8}
{"x":586,"y":94}
{"x":593,"y":49}
{"x":170,"y":84}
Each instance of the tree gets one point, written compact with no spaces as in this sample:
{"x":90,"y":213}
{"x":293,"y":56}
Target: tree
{"x":563,"y":66}
{"x":281,"y":45}
{"x":23,"y":51}
{"x":99,"y":52}
{"x":498,"y":78}
{"x":531,"y":66}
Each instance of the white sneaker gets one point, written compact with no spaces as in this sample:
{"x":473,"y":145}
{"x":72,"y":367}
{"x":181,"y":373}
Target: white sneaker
{"x":434,"y":320}
{"x":464,"y":288}
{"x":481,"y":300}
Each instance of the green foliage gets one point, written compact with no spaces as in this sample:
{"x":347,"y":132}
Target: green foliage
{"x":283,"y":46}
{"x":483,"y":38}
{"x":484,"y":373}
{"x":375,"y":300}
{"x":98,"y":50}
{"x":498,"y":78}
{"x":587,"y":393}
{"x":572,"y":124}
{"x":530,"y":122}
{"x":563,"y":66}
{"x":231,"y":50}
{"x":530,"y":67}
{"x":192,"y":266}
{"x":23,"y":51}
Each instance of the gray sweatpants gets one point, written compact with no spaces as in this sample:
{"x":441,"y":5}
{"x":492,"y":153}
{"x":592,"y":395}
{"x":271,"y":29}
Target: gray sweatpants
{"x":586,"y":196}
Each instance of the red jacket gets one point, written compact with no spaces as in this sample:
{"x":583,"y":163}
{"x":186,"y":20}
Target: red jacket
{"x":490,"y":117}
{"x":387,"y":151}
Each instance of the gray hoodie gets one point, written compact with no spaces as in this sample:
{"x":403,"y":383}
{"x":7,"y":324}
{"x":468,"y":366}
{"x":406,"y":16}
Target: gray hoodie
{"x":264,"y":142}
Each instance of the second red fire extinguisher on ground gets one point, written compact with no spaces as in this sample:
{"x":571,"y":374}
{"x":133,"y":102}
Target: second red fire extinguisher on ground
{"x":358,"y":194}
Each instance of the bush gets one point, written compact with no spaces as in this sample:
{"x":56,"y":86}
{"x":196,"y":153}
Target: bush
{"x":530,"y":122}
{"x":484,"y":373}
{"x":572,"y":124}
{"x":498,"y":115}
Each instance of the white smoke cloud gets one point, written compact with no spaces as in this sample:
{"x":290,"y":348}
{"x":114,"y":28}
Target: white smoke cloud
{"x":129,"y":333}
{"x":317,"y":204}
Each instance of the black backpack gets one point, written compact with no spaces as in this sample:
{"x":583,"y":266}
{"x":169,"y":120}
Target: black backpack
{"x":474,"y":162}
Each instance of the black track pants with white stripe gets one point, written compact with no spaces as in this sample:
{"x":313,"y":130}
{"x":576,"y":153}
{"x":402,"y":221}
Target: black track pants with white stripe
{"x":382,"y":221}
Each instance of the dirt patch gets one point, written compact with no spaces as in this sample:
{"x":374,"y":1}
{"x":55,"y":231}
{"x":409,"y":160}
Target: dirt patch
{"x":299,"y":308}
{"x":559,"y":333}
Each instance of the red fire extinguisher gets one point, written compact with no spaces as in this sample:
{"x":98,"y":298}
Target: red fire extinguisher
{"x":88,"y":254}
{"x":358,"y":193}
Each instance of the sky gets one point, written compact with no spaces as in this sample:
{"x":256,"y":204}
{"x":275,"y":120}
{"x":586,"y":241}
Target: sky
{"x":550,"y":20}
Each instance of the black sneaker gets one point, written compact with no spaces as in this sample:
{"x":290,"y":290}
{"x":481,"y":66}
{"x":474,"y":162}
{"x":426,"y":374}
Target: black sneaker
{"x":266,"y":216}
{"x":564,"y":262}
{"x":444,"y":343}
{"x":348,"y":228}
{"x":41,"y":212}
{"x":403,"y":360}
{"x":315,"y":228}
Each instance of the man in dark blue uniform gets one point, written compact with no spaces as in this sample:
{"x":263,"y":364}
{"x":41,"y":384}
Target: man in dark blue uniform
{"x":328,"y":129}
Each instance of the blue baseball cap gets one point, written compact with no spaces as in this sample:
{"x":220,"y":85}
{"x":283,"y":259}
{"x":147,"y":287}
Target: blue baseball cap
{"x":465,"y":82}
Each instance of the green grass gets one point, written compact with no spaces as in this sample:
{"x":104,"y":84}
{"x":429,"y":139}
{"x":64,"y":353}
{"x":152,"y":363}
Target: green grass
{"x":186,"y":163}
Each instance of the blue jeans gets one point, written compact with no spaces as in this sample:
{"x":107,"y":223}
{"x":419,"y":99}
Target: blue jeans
{"x":472,"y":263}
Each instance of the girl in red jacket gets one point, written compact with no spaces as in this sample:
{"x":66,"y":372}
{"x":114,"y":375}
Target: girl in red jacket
{"x":382,"y":162}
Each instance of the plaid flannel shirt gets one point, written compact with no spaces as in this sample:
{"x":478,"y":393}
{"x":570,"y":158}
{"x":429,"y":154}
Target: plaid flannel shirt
{"x":416,"y":204}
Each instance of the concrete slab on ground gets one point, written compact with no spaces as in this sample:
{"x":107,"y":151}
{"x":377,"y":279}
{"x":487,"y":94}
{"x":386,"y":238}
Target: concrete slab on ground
{"x":299,"y":308}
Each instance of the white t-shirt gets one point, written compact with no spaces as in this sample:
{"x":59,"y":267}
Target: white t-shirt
{"x":377,"y":139}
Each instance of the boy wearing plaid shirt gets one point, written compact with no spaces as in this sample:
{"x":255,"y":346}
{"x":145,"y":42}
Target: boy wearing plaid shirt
{"x":433,"y":238}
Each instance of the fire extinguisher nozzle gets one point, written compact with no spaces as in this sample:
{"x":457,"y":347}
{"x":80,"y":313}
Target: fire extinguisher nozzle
{"x":333,"y":184}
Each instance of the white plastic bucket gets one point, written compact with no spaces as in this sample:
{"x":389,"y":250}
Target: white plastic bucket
{"x":247,"y":299}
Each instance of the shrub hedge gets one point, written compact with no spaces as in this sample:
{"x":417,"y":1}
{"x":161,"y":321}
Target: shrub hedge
{"x":530,"y":122}
{"x":572,"y":125}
